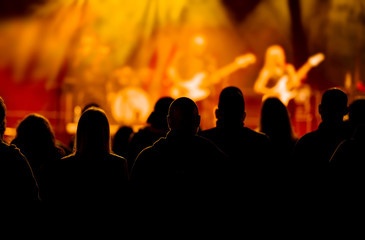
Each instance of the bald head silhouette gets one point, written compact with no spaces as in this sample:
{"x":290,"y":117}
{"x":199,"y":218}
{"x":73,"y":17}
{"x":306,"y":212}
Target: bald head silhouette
{"x":183,"y":116}
{"x":333,"y":105}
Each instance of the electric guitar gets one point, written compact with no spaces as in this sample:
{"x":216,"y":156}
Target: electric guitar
{"x":197,"y":88}
{"x":288,"y":87}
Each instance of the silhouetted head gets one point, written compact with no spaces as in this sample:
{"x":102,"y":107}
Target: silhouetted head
{"x":231,"y":107}
{"x":93,"y":133}
{"x":275,"y":120}
{"x":2,"y":117}
{"x":183,"y":116}
{"x":333,"y":105}
{"x":121,"y":140}
{"x":158,"y":117}
{"x":92,"y":104}
{"x":36,"y":140}
{"x":357,"y":112}
{"x":35,"y":130}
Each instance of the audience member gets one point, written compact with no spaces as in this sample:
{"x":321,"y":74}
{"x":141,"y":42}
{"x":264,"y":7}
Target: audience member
{"x":71,"y":144}
{"x":356,"y":115}
{"x":314,"y":149}
{"x":92,"y":179}
{"x":249,"y":150}
{"x":181,"y":173}
{"x":275,"y":122}
{"x":157,"y":127}
{"x":121,"y":140}
{"x":347,"y":164}
{"x":36,"y":140}
{"x":19,"y":188}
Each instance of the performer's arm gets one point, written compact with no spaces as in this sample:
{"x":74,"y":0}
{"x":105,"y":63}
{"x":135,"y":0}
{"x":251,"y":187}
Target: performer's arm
{"x":294,"y":78}
{"x":261,"y":82}
{"x":311,"y":62}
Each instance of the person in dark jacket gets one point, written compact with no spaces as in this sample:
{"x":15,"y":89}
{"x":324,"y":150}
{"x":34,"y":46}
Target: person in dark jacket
{"x":313,"y":151}
{"x":347,"y":163}
{"x":181,"y":173}
{"x":36,"y":140}
{"x":19,"y":188}
{"x":92,"y":180}
{"x":248,"y":149}
{"x":156,"y":127}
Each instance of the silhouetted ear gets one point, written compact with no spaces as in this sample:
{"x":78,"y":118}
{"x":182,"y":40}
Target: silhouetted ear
{"x":217,"y":113}
{"x":320,"y":109}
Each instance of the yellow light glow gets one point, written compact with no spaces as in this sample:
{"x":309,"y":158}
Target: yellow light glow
{"x":199,"y":40}
{"x":131,"y":106}
{"x":10,"y":132}
{"x":87,"y":40}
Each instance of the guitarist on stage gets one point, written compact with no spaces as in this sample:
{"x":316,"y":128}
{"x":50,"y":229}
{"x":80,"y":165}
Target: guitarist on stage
{"x":280,"y":79}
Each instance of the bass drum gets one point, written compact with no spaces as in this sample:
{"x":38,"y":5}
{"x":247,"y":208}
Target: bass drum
{"x":131,"y":106}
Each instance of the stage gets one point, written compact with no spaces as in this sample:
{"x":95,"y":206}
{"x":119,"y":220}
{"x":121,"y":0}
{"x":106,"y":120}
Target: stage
{"x":58,"y":56}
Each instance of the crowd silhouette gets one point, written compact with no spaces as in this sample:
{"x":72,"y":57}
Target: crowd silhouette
{"x":92,"y":176}
{"x":156,"y":128}
{"x":174,"y":168}
{"x":248,"y":151}
{"x":275,"y":122}
{"x":347,"y":162}
{"x":181,"y":172}
{"x":313,"y":150}
{"x":19,"y":186}
{"x":36,"y":140}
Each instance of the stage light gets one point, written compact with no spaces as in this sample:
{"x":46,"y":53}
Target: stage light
{"x":199,"y":40}
{"x":131,"y":106}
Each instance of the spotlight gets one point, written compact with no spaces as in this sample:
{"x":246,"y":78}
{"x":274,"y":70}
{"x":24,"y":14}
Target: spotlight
{"x":199,"y":40}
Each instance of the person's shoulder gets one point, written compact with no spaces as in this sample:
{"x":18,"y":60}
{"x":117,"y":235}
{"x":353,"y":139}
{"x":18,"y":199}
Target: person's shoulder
{"x":203,"y":138}
{"x":158,"y":144}
{"x":210,"y":133}
{"x":69,"y":157}
{"x":207,"y":131}
{"x":116,"y":157}
{"x":148,"y":156}
{"x":10,"y":150}
{"x":117,"y":160}
{"x":255,"y":134}
{"x":149,"y":150}
{"x":142,"y":132}
{"x":204,"y":141}
{"x":347,"y":144}
{"x":209,"y":147}
{"x":158,"y":148}
{"x":6,"y":146}
{"x":309,"y":140}
{"x":64,"y":162}
{"x":309,"y":136}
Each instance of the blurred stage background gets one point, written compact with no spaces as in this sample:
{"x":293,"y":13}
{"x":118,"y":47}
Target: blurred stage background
{"x":57,"y":56}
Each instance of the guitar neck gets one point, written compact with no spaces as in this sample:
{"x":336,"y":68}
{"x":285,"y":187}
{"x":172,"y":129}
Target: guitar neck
{"x":311,"y":62}
{"x":303,"y":70}
{"x":225,"y":70}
